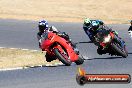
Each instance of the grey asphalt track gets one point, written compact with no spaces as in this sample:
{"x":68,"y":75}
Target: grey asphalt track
{"x":22,"y":34}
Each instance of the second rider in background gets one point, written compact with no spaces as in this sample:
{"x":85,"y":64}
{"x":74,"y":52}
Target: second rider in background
{"x":92,"y":27}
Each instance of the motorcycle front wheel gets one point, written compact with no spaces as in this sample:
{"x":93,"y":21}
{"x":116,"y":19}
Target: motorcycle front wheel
{"x":123,"y":53}
{"x":62,"y":58}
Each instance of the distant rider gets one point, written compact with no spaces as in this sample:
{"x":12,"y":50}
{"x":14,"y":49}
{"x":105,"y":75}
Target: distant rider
{"x":88,"y":28}
{"x":44,"y":28}
{"x":92,"y":27}
{"x":130,"y":29}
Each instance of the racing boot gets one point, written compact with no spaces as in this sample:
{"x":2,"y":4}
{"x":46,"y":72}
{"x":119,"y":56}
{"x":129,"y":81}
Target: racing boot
{"x":100,"y":51}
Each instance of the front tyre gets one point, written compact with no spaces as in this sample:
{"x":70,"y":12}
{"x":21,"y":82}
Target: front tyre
{"x":123,"y":53}
{"x":61,"y":58}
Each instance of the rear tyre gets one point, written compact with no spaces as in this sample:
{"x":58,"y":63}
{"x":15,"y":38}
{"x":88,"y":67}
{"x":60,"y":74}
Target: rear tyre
{"x":79,"y":61}
{"x":61,"y":58}
{"x":123,"y":53}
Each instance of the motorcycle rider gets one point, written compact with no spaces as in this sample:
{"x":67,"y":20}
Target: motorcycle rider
{"x":44,"y":28}
{"x":88,"y":27}
{"x":130,"y":29}
{"x":91,"y":28}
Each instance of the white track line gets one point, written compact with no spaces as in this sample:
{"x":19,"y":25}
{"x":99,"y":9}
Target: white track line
{"x":26,"y":67}
{"x":13,"y":48}
{"x":19,"y":49}
{"x":2,"y":47}
{"x":8,"y":69}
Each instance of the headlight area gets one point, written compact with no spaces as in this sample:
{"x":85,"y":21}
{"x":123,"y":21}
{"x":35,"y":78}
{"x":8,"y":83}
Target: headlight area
{"x":107,"y":39}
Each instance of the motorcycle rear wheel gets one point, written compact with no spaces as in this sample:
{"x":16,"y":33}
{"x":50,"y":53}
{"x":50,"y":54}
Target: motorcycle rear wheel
{"x":79,"y":61}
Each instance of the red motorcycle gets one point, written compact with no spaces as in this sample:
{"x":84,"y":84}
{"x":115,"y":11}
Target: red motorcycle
{"x":110,"y":43}
{"x":57,"y":47}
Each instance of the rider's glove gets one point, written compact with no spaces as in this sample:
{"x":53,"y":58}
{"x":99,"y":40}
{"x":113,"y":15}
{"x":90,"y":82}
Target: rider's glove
{"x":64,"y":35}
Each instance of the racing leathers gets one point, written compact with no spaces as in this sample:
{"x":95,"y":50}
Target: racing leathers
{"x":64,"y":35}
{"x":89,"y":30}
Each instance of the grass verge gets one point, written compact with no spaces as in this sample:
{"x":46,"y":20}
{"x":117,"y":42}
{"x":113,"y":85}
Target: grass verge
{"x":11,"y":58}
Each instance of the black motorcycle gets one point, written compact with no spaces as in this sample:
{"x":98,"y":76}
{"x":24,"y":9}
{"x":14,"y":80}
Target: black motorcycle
{"x":109,"y":42}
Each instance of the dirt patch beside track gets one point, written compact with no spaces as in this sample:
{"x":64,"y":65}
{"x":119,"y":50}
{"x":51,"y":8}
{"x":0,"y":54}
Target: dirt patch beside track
{"x":111,"y":11}
{"x":11,"y":58}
